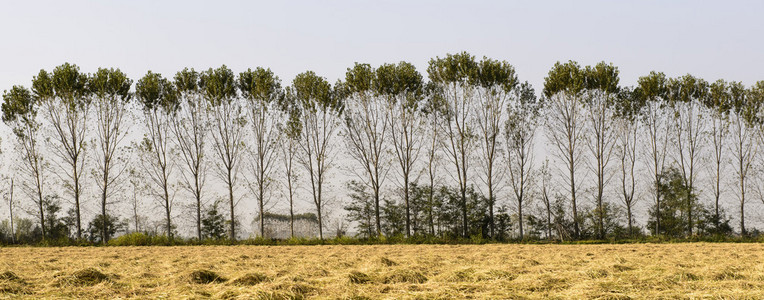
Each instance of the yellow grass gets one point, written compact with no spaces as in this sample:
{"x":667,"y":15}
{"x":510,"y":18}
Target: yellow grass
{"x":696,"y":270}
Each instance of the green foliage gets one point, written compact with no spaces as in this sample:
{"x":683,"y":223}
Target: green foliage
{"x":361,"y":209}
{"x":652,"y":87}
{"x":113,"y":225}
{"x":260,"y":85}
{"x":110,"y":84}
{"x":186,"y":81}
{"x":677,"y":200}
{"x":56,"y":227}
{"x":402,"y":79}
{"x":603,"y":77}
{"x":720,"y":96}
{"x":494,"y":73}
{"x":313,"y":92}
{"x":361,"y":78}
{"x":751,"y":103}
{"x":156,"y":92}
{"x":218,"y":85}
{"x":18,"y":104}
{"x":66,"y":84}
{"x":460,"y":68}
{"x":685,"y":89}
{"x":568,"y":77}
{"x":214,"y":223}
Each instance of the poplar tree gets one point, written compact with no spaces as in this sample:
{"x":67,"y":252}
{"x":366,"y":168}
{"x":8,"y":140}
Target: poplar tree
{"x":563,"y":91}
{"x":160,"y":101}
{"x":454,"y":77}
{"x":190,"y":127}
{"x":366,"y":127}
{"x":262,"y":91}
{"x":67,"y":103}
{"x":402,"y":87}
{"x":228,"y":119}
{"x":320,"y":109}
{"x":19,"y":112}
{"x":110,"y":89}
{"x":496,"y":83}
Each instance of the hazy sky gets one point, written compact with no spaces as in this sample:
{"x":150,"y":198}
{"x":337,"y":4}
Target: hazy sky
{"x":721,"y":39}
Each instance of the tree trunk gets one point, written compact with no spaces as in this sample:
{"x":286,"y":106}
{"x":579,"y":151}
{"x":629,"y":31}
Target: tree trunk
{"x":230,"y":199}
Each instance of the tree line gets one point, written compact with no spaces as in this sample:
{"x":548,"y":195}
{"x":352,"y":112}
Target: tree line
{"x":472,"y":151}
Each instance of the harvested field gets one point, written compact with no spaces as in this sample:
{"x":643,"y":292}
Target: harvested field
{"x":697,"y":270}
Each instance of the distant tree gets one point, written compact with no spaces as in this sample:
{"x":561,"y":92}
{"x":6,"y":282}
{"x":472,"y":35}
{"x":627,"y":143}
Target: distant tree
{"x":262,"y":90}
{"x":402,"y":87}
{"x":290,"y":131}
{"x":563,"y":90}
{"x":432,"y":109}
{"x":651,"y":91}
{"x":627,"y":108}
{"x":454,"y":77}
{"x":214,"y":223}
{"x":160,"y":102}
{"x":521,"y":125}
{"x":135,"y":201}
{"x":361,"y":209}
{"x":67,"y":101}
{"x":20,"y":114}
{"x":319,"y":113}
{"x":686,"y":95}
{"x":228,"y":120}
{"x":58,"y":228}
{"x":602,"y":89}
{"x":546,"y":177}
{"x":746,"y":125}
{"x":366,"y":127}
{"x":496,"y":83}
{"x":675,"y":193}
{"x":190,"y":127}
{"x":718,"y":103}
{"x":8,"y":197}
{"x":111,"y":223}
{"x":110,"y":90}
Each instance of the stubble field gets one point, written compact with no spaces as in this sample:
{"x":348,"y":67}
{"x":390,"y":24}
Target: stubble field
{"x":697,"y":270}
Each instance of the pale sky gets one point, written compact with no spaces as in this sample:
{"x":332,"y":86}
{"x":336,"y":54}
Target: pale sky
{"x":721,"y":39}
{"x":712,"y":40}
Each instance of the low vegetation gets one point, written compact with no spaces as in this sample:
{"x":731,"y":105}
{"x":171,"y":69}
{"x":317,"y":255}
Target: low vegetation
{"x":695,"y":270}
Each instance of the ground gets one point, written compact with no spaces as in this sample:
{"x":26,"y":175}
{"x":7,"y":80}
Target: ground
{"x":696,"y":270}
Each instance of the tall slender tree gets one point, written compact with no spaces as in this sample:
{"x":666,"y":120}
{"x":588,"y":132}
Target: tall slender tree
{"x":546,"y":178}
{"x":228,"y":118}
{"x":627,"y":108}
{"x":262,"y":90}
{"x":686,"y":95}
{"x":746,"y":136}
{"x":563,"y":90}
{"x":319,"y":114}
{"x":432,"y":110}
{"x":190,"y":127}
{"x":455,"y":77}
{"x":401,"y":87}
{"x":290,"y":134}
{"x":67,"y":101}
{"x":366,"y":127}
{"x":602,"y":89}
{"x":160,"y":101}
{"x":110,"y":89}
{"x":651,"y":90}
{"x":496,"y":83}
{"x":520,"y":133}
{"x":20,"y":114}
{"x":719,"y":104}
